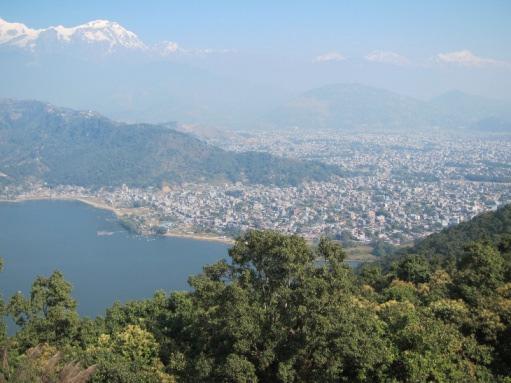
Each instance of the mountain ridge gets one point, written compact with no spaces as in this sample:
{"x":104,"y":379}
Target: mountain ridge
{"x":353,"y":105}
{"x":110,"y":35}
{"x":62,"y":146}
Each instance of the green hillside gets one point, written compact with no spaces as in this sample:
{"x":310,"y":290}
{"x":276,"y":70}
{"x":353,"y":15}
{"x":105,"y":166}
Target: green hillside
{"x":493,"y":227}
{"x":63,"y":146}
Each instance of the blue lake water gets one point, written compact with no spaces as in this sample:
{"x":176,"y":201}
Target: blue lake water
{"x":38,"y":237}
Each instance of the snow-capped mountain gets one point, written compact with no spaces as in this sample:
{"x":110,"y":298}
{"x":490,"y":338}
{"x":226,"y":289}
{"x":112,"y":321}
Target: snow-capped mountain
{"x":104,"y":66}
{"x":16,"y":34}
{"x":108,"y":35}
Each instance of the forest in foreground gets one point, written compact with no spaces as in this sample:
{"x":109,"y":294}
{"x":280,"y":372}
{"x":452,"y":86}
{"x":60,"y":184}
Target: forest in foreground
{"x":281,"y":310}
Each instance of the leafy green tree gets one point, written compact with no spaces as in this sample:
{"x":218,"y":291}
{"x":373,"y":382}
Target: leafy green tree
{"x":382,"y":248}
{"x":280,"y":311}
{"x":481,"y":272}
{"x":49,"y":315}
{"x":130,"y":355}
{"x":414,"y":268}
{"x":430,"y":350}
{"x":401,"y":291}
{"x":371,"y":274}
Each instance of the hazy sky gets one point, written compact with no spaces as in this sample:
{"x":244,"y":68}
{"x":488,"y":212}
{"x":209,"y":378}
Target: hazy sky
{"x":420,"y":48}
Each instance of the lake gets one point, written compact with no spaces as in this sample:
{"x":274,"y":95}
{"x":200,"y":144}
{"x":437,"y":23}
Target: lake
{"x":103,"y":261}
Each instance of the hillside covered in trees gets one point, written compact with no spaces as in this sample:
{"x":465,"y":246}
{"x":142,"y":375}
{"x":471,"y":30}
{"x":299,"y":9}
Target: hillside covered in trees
{"x":493,"y":227}
{"x":39,"y":141}
{"x":281,"y":310}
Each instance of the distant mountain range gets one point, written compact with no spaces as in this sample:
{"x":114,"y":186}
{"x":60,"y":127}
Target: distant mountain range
{"x":39,"y":141}
{"x":358,"y":107}
{"x":104,"y":66}
{"x":492,"y":125}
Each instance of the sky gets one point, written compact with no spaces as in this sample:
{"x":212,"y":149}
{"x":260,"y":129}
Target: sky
{"x":419,"y":48}
{"x":413,"y":28}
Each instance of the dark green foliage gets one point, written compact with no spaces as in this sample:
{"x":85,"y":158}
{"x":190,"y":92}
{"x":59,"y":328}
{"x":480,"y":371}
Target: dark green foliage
{"x":281,"y":310}
{"x":481,"y":272}
{"x":490,"y":226}
{"x":282,"y":316}
{"x":48,"y":315}
{"x":382,"y":249}
{"x":414,"y":268}
{"x":62,"y":146}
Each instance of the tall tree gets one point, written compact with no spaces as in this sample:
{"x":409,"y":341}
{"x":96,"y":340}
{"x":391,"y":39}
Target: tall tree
{"x":48,"y":315}
{"x":280,"y":311}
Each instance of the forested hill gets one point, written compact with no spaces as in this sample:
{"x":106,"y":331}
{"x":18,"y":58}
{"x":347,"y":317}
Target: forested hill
{"x":63,"y":146}
{"x":494,"y":227}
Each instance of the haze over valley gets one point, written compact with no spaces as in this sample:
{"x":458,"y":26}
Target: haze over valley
{"x":102,"y":65}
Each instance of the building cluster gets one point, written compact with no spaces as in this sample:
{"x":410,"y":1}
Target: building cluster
{"x":397,"y":188}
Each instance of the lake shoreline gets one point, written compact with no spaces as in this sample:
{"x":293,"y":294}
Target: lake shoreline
{"x":120,"y":213}
{"x":42,"y":236}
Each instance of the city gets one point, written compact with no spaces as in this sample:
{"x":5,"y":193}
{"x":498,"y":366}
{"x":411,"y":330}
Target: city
{"x":397,"y":188}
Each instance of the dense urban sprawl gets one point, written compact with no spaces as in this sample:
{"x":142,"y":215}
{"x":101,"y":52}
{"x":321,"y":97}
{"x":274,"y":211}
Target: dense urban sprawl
{"x":397,"y":188}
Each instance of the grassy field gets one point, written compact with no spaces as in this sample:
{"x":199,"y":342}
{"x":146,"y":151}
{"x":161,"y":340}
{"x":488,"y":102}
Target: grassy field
{"x":360,"y":253}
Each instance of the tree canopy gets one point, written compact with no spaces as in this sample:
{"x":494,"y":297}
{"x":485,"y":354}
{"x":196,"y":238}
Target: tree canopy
{"x":282,"y":310}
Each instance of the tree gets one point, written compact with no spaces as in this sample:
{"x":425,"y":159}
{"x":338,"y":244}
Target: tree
{"x":130,"y":355}
{"x":414,"y":268}
{"x":49,"y":315}
{"x":481,"y":272}
{"x":429,"y":350}
{"x":280,"y":311}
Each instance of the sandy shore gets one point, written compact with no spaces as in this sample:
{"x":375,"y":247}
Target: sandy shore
{"x":200,"y":237}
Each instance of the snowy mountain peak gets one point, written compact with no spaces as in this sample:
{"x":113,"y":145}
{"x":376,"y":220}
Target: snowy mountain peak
{"x":100,"y":23}
{"x":103,"y":32}
{"x":16,"y":33}
{"x":96,"y":38}
{"x":107,"y":34}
